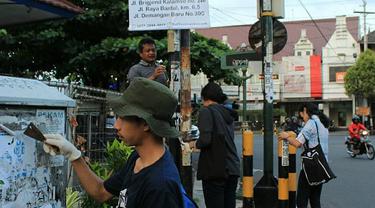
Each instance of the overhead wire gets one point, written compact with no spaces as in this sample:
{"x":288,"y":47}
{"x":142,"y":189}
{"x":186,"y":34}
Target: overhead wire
{"x":320,"y":31}
{"x":219,"y":10}
{"x":214,"y":16}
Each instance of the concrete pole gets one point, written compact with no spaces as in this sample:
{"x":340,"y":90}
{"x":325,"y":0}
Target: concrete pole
{"x":364,"y":26}
{"x":365,"y":13}
{"x":175,"y":85}
{"x":187,"y":175}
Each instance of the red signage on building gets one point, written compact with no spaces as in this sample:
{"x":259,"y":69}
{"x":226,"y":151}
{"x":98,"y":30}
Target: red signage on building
{"x":299,"y":68}
{"x":316,"y":76}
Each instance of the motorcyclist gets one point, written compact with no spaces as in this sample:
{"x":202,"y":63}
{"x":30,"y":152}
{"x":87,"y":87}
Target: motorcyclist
{"x":354,"y":130}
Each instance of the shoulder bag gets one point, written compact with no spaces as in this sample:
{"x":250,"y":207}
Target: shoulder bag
{"x":315,"y":165}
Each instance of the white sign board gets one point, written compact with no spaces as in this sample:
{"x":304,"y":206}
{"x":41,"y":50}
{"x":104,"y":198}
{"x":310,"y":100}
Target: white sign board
{"x":168,"y":14}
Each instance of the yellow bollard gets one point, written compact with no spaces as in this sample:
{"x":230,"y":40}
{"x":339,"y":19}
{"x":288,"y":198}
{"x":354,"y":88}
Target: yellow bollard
{"x":247,"y":161}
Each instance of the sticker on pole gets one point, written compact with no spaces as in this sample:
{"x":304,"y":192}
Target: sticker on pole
{"x":285,"y":155}
{"x":168,"y":14}
{"x":268,"y":82}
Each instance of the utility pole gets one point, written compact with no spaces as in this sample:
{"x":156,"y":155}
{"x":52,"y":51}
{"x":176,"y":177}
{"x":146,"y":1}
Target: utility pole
{"x":175,"y":85}
{"x":365,"y":13}
{"x":187,"y":175}
{"x":365,"y":44}
{"x":265,"y":192}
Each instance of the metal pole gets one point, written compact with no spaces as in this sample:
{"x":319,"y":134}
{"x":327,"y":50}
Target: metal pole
{"x":89,"y":135}
{"x":267,"y":25}
{"x":244,"y":70}
{"x":187,"y":175}
{"x":265,"y":192}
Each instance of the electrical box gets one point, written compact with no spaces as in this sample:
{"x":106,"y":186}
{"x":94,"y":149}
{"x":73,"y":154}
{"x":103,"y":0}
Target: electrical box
{"x":278,"y":9}
{"x":28,"y":176}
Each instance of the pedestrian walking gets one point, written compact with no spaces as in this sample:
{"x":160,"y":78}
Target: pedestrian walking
{"x":219,"y":164}
{"x":313,"y":133}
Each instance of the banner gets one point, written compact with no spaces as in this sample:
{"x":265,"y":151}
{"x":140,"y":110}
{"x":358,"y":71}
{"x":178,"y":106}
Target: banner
{"x":168,"y":14}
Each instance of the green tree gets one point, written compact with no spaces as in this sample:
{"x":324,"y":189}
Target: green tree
{"x":206,"y":55}
{"x":94,"y":46}
{"x":360,"y":77}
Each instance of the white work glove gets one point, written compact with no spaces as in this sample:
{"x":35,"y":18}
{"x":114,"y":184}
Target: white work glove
{"x":56,"y":141}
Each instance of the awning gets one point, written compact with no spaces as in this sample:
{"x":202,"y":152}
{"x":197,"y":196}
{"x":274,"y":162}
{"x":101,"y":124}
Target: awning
{"x":24,"y":11}
{"x":30,"y":92}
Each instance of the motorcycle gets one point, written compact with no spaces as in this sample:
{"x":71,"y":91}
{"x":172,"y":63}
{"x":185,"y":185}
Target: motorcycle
{"x":364,"y":146}
{"x":332,"y":126}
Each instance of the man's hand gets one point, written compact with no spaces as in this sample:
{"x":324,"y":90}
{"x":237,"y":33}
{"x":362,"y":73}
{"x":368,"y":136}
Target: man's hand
{"x":65,"y":148}
{"x":159,"y":70}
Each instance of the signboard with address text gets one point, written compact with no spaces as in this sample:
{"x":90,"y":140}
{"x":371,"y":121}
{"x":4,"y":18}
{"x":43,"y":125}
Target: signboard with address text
{"x":168,"y":14}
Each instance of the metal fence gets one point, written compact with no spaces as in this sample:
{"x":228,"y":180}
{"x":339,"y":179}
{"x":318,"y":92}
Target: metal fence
{"x":91,"y":120}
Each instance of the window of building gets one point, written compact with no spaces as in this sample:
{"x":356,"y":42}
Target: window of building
{"x":299,"y":53}
{"x":307,"y":53}
{"x":336,"y":72}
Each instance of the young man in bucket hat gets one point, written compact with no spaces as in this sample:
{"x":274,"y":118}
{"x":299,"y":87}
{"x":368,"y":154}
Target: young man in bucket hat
{"x":150,"y":177}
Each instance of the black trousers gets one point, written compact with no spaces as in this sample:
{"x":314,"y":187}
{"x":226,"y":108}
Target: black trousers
{"x":306,"y":193}
{"x":220,"y":193}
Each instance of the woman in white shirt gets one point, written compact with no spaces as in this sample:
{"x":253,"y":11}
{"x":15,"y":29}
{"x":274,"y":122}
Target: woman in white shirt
{"x":313,"y":119}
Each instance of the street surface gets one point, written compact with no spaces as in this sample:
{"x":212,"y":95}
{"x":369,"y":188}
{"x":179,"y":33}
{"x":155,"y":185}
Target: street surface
{"x":354,"y":186}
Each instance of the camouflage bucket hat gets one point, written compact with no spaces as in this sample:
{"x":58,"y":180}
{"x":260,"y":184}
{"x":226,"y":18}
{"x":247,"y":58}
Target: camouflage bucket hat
{"x":151,"y":101}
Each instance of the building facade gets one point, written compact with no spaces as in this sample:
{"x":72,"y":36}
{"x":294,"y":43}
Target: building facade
{"x":338,"y":55}
{"x":311,"y":66}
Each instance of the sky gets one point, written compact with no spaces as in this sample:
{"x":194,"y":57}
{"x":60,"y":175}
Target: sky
{"x":239,"y":12}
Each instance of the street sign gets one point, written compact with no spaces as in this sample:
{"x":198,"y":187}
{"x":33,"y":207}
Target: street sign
{"x":239,"y":59}
{"x":168,"y":14}
{"x":363,"y":111}
{"x":280,"y":36}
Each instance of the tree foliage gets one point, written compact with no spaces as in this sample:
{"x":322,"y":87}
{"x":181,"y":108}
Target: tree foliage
{"x":360,"y":78}
{"x":94,"y":46}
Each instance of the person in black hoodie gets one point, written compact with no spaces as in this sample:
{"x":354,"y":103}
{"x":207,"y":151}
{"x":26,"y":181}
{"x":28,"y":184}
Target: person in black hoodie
{"x":219,"y":164}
